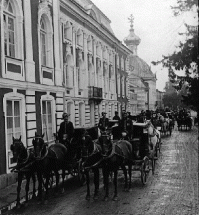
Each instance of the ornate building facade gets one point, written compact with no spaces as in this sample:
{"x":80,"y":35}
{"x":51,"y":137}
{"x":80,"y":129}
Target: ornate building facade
{"x":56,"y":56}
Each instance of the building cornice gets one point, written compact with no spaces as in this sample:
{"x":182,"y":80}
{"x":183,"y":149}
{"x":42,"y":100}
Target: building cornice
{"x":8,"y":83}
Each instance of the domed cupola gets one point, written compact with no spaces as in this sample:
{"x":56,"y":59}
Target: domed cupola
{"x":132,"y":40}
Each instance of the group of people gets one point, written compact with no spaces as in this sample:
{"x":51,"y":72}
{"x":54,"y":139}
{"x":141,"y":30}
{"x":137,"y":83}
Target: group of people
{"x":124,"y":124}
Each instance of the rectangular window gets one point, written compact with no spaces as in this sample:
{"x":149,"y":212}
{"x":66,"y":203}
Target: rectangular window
{"x":13,"y":120}
{"x":47,"y":127}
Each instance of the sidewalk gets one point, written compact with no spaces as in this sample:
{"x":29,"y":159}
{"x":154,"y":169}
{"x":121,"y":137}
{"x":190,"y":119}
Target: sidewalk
{"x":8,"y":196}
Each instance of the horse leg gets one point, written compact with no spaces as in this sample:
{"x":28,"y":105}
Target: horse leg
{"x":46,"y":187}
{"x":125,"y":178}
{"x":63,"y":178}
{"x":40,"y":181}
{"x":106,"y":182}
{"x":20,"y":176}
{"x":34,"y":187}
{"x":129,"y":171}
{"x":96,"y":183}
{"x":115,"y":197}
{"x":28,"y":176}
{"x":57,"y":181}
{"x":88,"y":185}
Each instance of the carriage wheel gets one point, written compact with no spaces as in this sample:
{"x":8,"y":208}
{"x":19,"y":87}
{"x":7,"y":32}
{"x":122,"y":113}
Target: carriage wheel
{"x":144,"y":170}
{"x":81,"y":176}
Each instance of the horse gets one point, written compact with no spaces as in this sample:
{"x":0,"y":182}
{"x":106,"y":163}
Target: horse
{"x":91,"y":159}
{"x":116,"y":154}
{"x":49,"y":159}
{"x":25,"y":166}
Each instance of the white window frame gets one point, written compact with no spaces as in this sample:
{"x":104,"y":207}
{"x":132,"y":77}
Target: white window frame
{"x":18,"y":59}
{"x":72,"y":112}
{"x":49,"y":67}
{"x":50,"y":98}
{"x":21,"y":98}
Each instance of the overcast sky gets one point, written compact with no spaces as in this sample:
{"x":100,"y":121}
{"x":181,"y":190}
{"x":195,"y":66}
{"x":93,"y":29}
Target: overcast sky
{"x":154,"y":23}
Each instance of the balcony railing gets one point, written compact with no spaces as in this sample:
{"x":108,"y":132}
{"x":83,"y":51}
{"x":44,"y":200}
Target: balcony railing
{"x":95,"y":93}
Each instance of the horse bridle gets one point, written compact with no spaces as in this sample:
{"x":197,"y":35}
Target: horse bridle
{"x":18,"y":157}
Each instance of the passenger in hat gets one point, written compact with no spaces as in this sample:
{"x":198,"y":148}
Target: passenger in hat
{"x":127,"y":126}
{"x":116,"y":130}
{"x":116,"y":117}
{"x":66,"y":130}
{"x":103,"y":122}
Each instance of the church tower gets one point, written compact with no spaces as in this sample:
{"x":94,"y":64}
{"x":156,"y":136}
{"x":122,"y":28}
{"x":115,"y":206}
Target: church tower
{"x":132,"y":40}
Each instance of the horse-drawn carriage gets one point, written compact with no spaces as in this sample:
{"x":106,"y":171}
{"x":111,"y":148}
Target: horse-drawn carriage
{"x":184,"y":122}
{"x":146,"y":147}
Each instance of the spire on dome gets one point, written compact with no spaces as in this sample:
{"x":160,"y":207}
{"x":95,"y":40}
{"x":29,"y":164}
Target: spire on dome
{"x":131,"y":20}
{"x":132,"y":40}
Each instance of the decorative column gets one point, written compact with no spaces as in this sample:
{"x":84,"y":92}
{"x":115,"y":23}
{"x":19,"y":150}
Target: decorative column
{"x":56,"y":23}
{"x":29,"y":63}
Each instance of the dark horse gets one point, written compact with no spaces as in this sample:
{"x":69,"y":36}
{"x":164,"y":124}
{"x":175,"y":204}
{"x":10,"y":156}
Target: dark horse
{"x":25,"y":166}
{"x":116,"y":154}
{"x":49,"y":159}
{"x":91,"y":159}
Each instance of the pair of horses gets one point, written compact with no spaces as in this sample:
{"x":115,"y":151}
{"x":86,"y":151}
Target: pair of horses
{"x":41,"y":160}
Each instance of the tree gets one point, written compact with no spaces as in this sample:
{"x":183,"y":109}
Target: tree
{"x":185,"y":58}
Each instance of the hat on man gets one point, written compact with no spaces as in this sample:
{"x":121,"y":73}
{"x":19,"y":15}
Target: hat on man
{"x":104,"y":113}
{"x":65,"y":115}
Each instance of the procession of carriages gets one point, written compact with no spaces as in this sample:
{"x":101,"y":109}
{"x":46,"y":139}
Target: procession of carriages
{"x":93,"y":151}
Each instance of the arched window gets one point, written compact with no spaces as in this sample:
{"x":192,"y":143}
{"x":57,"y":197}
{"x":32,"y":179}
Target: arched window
{"x":43,"y":40}
{"x":89,"y":44}
{"x":9,"y":30}
{"x":80,"y":38}
{"x":46,"y":49}
{"x":12,"y":38}
{"x":68,"y":31}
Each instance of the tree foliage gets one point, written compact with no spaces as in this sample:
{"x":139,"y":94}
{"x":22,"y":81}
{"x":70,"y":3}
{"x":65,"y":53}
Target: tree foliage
{"x":185,"y":58}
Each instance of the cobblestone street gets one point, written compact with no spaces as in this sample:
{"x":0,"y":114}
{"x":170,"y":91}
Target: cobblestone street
{"x":172,"y":190}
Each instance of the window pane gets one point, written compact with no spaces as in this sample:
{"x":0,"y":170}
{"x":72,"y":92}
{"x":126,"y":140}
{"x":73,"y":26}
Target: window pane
{"x":11,"y":37}
{"x":9,"y":124}
{"x":44,"y":122}
{"x":49,"y":107}
{"x":11,"y":50}
{"x":43,"y":107}
{"x":17,"y":122}
{"x":9,"y":108}
{"x":16,"y":108}
{"x":10,"y":24}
